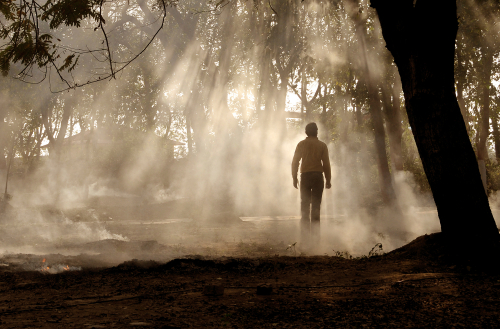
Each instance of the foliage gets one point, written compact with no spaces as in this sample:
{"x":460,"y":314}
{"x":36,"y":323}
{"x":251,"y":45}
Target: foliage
{"x":30,"y":32}
{"x":377,"y":250}
{"x":342,"y":254}
{"x":492,"y":177}
{"x":478,"y":34}
{"x":70,"y":12}
{"x":26,"y":43}
{"x":292,"y":247}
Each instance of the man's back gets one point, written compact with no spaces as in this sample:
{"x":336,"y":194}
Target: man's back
{"x":314,"y":156}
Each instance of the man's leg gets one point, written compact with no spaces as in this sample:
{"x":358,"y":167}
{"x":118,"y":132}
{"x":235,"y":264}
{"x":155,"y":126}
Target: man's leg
{"x":305,"y":205}
{"x":316,"y":195}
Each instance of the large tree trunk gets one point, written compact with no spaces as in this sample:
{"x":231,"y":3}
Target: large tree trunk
{"x":421,"y":37}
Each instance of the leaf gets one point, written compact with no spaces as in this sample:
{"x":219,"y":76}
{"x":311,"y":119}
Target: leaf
{"x":72,"y":67}
{"x":72,"y":12}
{"x":67,"y":62}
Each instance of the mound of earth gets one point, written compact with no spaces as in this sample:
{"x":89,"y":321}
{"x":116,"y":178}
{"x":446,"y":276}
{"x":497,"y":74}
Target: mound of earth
{"x":429,"y":247}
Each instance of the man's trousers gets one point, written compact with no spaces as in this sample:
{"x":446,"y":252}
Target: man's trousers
{"x":311,"y":192}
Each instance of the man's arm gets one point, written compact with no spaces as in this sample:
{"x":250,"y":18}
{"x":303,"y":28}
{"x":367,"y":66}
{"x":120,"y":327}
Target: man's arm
{"x":326,"y":168}
{"x":295,"y":165}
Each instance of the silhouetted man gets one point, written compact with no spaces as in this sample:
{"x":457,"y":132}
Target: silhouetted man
{"x":315,"y":162}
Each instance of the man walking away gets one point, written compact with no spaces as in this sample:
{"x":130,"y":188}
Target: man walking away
{"x":315,"y":162}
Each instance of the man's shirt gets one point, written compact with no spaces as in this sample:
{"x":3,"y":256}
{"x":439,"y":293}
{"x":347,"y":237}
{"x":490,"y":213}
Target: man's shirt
{"x":314,"y":156}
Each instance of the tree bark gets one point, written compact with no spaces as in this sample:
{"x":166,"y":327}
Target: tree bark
{"x":421,"y":37}
{"x":496,"y":133}
{"x":393,"y":123}
{"x":3,"y":143}
{"x":386,"y":188}
{"x":188,"y":136}
{"x":484,"y":129}
{"x":461,"y":80}
{"x":303,"y":94}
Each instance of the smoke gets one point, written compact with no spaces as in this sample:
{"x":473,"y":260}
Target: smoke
{"x":229,"y":184}
{"x":30,"y":230}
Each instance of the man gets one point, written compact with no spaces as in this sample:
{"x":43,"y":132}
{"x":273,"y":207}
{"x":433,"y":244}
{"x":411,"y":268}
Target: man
{"x":315,"y":162}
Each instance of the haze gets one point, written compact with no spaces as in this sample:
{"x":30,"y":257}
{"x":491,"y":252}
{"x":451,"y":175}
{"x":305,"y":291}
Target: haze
{"x":188,"y":149}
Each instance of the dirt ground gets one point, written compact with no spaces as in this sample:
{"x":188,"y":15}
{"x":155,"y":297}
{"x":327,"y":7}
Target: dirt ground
{"x":409,"y":287}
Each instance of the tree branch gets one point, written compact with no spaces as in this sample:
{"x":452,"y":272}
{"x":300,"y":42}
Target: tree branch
{"x":107,"y":42}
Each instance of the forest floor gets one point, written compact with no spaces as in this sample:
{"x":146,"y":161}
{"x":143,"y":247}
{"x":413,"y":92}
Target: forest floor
{"x":408,"y":287}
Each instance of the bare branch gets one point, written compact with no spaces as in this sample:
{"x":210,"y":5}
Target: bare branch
{"x":107,"y":42}
{"x":273,"y":9}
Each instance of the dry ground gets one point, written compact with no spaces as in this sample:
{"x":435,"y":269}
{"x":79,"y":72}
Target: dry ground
{"x":409,"y":287}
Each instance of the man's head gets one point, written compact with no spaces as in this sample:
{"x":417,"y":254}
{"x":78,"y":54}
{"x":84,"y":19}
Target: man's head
{"x":312,"y":129}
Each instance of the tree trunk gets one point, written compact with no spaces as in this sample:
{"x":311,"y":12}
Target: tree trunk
{"x":198,"y":123}
{"x":386,"y":187}
{"x":421,"y":37}
{"x":217,"y":96}
{"x":281,"y":94}
{"x":4,"y":136}
{"x":303,"y":95}
{"x":359,"y":116}
{"x":325,"y":133}
{"x":188,"y":136}
{"x":461,"y":80}
{"x":394,"y":130}
{"x":496,"y":134}
{"x":484,"y":129}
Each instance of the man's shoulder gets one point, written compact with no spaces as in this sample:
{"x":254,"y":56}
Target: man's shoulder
{"x":312,"y":141}
{"x":303,"y":142}
{"x":323,"y":144}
